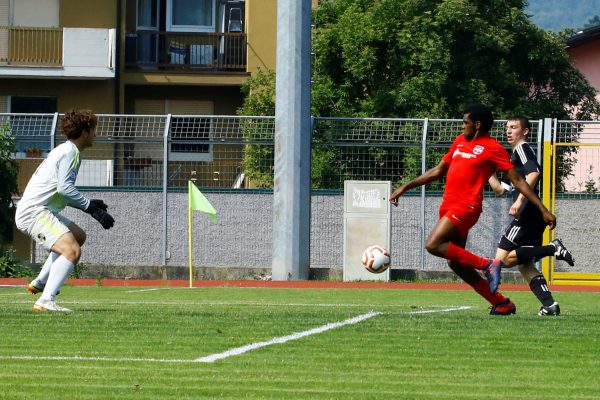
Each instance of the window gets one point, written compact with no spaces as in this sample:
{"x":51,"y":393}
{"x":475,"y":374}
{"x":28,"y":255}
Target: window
{"x":189,"y":131}
{"x":191,"y":15}
{"x":147,"y":14}
{"x":44,"y":13}
{"x":32,"y":131}
{"x":23,"y":104}
{"x":189,"y":139}
{"x":147,"y":26}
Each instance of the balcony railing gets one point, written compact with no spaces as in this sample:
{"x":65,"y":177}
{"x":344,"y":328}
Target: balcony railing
{"x":57,"y":52}
{"x":31,"y":46}
{"x":185,"y":51}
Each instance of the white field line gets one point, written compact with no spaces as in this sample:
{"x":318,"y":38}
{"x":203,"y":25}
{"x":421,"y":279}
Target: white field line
{"x":196,"y":303}
{"x":324,"y":328}
{"x":442,"y":310}
{"x":142,"y":290}
{"x":235,"y":351}
{"x":295,"y":336}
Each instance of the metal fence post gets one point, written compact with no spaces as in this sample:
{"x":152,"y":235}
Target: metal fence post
{"x":165,"y":186}
{"x":540,"y":141}
{"x":423,"y":197}
{"x":53,"y":131}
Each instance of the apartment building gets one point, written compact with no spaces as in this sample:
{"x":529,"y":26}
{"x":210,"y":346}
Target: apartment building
{"x":150,"y":57}
{"x":132,"y":56}
{"x":184,"y":57}
{"x":56,"y":55}
{"x":584,"y":50}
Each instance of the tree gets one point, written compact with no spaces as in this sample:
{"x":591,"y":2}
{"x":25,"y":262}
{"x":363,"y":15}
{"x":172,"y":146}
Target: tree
{"x":429,"y":58}
{"x":259,"y":100}
{"x":8,"y":180}
{"x":595,"y":21}
{"x":417,"y":58}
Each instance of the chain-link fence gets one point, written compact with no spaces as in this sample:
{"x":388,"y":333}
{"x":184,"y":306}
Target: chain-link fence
{"x":140,"y":165}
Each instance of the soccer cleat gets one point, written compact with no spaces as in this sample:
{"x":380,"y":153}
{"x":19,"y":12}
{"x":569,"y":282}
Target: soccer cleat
{"x":562,"y":253}
{"x":505,"y":308}
{"x":493,"y":274}
{"x":553,"y":309}
{"x":48,"y":305}
{"x":33,"y":289}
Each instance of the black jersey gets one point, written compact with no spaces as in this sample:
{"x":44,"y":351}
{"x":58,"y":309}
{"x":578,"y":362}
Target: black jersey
{"x":525,"y":162}
{"x":527,"y":230}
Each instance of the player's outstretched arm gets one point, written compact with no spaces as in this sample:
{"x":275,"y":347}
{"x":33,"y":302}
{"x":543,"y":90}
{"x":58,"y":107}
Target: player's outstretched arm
{"x":523,"y":187}
{"x":497,"y":186}
{"x":431,"y":175}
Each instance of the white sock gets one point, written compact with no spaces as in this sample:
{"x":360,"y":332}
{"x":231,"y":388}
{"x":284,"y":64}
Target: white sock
{"x":61,"y":268}
{"x":42,"y":278}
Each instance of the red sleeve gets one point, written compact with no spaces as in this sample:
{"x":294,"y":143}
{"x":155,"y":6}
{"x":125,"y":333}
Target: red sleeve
{"x":448,"y":156}
{"x":501,"y":159}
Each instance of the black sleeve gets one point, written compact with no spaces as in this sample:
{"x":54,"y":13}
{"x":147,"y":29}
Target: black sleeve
{"x":528,"y":159}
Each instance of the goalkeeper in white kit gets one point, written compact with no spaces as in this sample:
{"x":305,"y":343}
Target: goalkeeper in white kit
{"x":49,"y":191}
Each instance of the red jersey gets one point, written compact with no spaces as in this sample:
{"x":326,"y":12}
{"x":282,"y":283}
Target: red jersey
{"x":472,"y":162}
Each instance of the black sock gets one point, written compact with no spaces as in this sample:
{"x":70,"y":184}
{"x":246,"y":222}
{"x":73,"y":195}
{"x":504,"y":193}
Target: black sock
{"x":528,"y":254}
{"x":539,"y":287}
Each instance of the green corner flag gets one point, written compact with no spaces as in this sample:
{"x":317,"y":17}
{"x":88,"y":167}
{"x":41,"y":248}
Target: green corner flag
{"x":198,"y":202}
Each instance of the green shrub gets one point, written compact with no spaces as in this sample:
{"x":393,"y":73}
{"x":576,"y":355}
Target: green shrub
{"x":9,"y":264}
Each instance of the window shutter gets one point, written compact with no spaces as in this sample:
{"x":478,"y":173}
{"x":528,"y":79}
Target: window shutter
{"x":4,"y":20}
{"x":150,"y":107}
{"x":189,"y":107}
{"x":185,"y":132}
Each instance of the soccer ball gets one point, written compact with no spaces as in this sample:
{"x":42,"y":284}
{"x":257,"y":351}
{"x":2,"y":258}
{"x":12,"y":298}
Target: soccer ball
{"x":376,"y":259}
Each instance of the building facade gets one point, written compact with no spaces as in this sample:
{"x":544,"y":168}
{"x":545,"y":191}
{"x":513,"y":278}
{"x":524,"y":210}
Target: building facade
{"x":584,"y":50}
{"x":132,"y":56}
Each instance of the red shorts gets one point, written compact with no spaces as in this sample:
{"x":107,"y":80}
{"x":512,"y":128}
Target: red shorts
{"x":462,"y":218}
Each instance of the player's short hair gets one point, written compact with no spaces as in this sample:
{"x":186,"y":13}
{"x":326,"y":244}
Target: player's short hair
{"x":524,"y":121}
{"x":481,"y":113}
{"x":75,"y":122}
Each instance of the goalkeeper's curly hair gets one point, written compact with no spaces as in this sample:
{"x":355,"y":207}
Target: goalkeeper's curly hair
{"x":75,"y":122}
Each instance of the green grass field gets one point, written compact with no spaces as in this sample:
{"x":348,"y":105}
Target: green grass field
{"x":147,"y":343}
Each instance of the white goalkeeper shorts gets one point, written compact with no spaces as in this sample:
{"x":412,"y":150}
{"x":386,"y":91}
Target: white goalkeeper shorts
{"x":47,"y":228}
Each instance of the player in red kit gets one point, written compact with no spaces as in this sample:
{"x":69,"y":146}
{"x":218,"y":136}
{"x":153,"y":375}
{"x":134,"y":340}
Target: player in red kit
{"x":469,"y":163}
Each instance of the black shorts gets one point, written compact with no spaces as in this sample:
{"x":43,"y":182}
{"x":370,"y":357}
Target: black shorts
{"x":522,"y":233}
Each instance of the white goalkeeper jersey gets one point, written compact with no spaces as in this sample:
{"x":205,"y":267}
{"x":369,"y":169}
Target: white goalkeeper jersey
{"x":52,"y":186}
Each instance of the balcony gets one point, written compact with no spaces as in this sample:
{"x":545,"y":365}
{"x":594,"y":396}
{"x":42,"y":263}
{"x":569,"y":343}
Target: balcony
{"x":57,"y":52}
{"x":172,"y":51}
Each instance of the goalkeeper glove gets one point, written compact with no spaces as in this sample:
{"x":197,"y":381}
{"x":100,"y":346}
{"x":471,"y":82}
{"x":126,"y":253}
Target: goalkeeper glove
{"x":100,"y":204}
{"x":99,"y":214}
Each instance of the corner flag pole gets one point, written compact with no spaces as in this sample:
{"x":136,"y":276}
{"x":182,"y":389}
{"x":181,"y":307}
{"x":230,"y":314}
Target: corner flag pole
{"x":190,"y":220}
{"x":190,"y":240}
{"x":197,"y":202}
